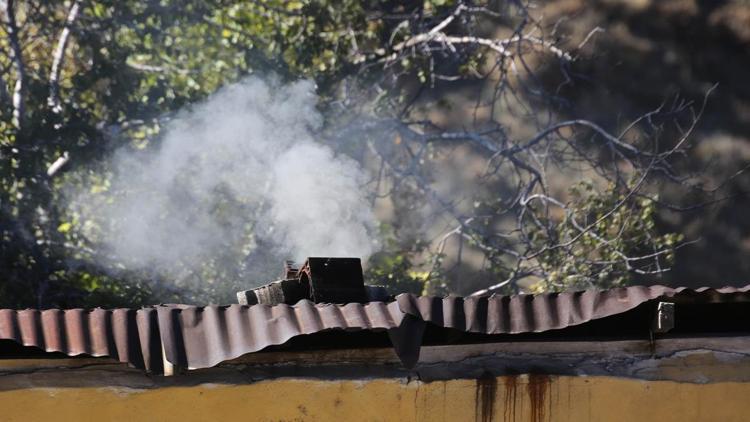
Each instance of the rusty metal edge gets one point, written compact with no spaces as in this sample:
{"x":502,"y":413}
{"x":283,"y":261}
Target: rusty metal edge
{"x":182,"y":336}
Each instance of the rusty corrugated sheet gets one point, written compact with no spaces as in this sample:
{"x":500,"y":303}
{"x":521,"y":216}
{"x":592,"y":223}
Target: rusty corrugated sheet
{"x":128,"y":335}
{"x":200,"y":337}
{"x":537,"y":313}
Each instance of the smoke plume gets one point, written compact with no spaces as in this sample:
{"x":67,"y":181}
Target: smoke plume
{"x":237,"y":176}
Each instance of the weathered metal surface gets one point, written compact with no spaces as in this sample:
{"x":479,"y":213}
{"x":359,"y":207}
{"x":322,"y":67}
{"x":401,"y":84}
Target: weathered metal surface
{"x":664,"y":318}
{"x":321,"y":280}
{"x":200,"y":337}
{"x":290,"y":270}
{"x":334,"y":280}
{"x":283,"y":291}
{"x":543,"y":312}
{"x":128,"y":335}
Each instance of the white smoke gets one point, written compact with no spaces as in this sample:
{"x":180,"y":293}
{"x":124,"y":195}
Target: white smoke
{"x":241,"y":168}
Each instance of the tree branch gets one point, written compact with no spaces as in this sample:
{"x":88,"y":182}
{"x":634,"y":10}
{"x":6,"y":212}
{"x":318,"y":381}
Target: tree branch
{"x":449,"y":42}
{"x":58,"y":59}
{"x":16,"y":55}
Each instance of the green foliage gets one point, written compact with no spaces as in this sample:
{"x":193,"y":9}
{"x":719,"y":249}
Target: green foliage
{"x":613,"y":242}
{"x":393,"y":267}
{"x":130,"y":65}
{"x":395,"y":271}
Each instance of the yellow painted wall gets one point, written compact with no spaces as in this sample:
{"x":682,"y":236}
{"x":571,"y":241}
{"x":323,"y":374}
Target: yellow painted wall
{"x":522,"y":398}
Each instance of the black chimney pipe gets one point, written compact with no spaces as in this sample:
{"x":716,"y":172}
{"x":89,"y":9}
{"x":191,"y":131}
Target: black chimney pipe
{"x":320,"y":280}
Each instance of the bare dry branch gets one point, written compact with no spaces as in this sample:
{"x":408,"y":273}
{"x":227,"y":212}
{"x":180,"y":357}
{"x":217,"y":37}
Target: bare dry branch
{"x":18,"y":100}
{"x":58,"y":59}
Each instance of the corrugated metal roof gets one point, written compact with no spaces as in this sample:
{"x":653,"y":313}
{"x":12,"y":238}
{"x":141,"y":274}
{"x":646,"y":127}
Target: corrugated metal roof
{"x":201,"y":337}
{"x":550,"y":311}
{"x":127,"y":335}
{"x":204,"y":336}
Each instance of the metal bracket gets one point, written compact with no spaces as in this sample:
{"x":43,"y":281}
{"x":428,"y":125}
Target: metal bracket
{"x":663,"y":322}
{"x":407,"y":340}
{"x":664,"y":318}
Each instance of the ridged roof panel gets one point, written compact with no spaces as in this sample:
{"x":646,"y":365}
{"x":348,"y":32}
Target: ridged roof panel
{"x":204,"y":336}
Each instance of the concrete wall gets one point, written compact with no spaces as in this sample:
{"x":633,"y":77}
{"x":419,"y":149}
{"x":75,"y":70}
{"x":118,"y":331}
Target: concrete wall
{"x":695,"y":379}
{"x":507,"y":398}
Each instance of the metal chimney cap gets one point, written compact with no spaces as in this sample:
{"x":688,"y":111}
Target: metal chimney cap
{"x":319,"y":279}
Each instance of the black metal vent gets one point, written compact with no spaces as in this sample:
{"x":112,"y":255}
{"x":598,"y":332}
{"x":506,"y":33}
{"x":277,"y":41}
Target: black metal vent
{"x":319,"y":279}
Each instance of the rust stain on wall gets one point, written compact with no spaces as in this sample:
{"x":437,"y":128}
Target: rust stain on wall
{"x":537,"y":388}
{"x":486,"y":390}
{"x":581,"y":399}
{"x":511,"y":386}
